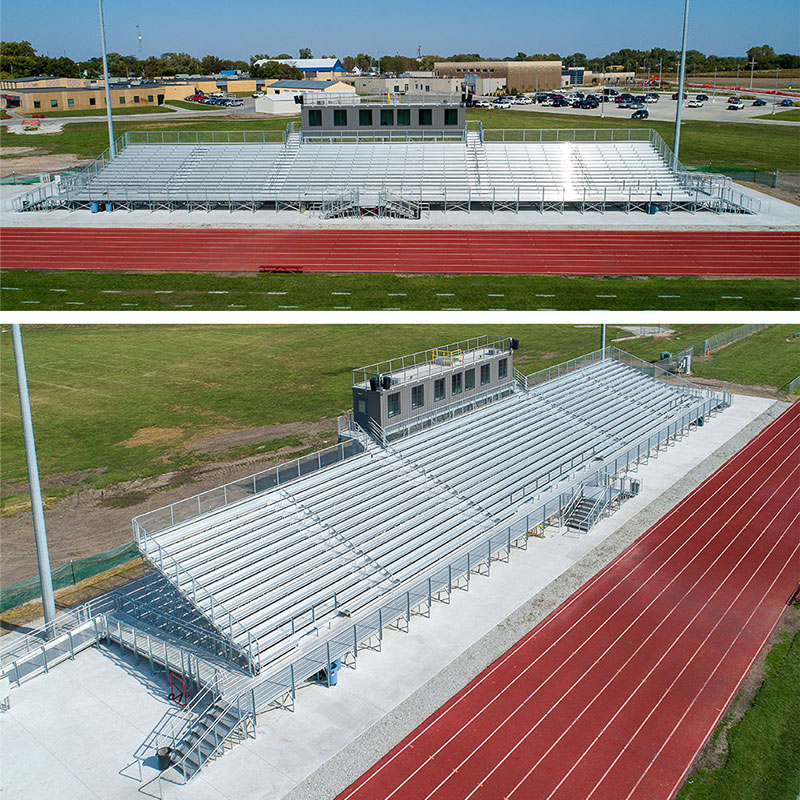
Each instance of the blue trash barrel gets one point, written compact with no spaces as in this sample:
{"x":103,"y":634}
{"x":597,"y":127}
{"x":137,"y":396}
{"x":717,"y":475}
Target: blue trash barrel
{"x":333,"y":671}
{"x":109,"y":206}
{"x":95,"y":207}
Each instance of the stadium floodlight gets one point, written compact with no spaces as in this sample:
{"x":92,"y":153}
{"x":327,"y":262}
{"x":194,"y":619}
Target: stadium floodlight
{"x":40,"y":535}
{"x":108,"y":87}
{"x":681,"y":81}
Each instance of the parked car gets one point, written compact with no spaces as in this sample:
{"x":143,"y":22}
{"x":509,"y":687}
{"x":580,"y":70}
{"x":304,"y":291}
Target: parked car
{"x":559,"y":102}
{"x":523,"y":100}
{"x":734,"y":99}
{"x":759,"y":102}
{"x":787,"y":102}
{"x":501,"y":104}
{"x":651,"y":97}
{"x":675,"y":96}
{"x":236,"y":102}
{"x":635,"y":104}
{"x":695,"y":103}
{"x":703,"y":98}
{"x":642,"y":113}
{"x":737,"y":105}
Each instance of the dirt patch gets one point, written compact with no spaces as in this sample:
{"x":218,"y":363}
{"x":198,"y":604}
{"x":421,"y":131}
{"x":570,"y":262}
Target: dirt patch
{"x":34,"y":164}
{"x":60,"y":480}
{"x":155,"y":435}
{"x":91,"y":521}
{"x":715,"y":751}
{"x":220,"y":442}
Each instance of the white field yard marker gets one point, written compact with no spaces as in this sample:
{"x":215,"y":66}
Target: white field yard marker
{"x":403,"y":294}
{"x":233,"y":305}
{"x":164,"y":291}
{"x":548,"y":309}
{"x":495,"y":295}
{"x":16,"y":289}
{"x":342,"y":308}
{"x":129,"y":304}
{"x":731,"y":297}
{"x":288,"y":306}
{"x":605,"y":295}
{"x":184,"y":305}
{"x":219,"y":292}
{"x":30,"y":301}
{"x":392,"y":309}
{"x":58,"y":290}
{"x":451,"y":309}
{"x":277,"y":292}
{"x":545,"y":295}
{"x":497,"y":309}
{"x":669,"y":295}
{"x":74,"y":303}
{"x":340,"y":292}
{"x":112,"y":291}
{"x":445,"y":294}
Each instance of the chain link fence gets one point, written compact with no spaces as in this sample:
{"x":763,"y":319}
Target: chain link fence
{"x":772,"y":179}
{"x":67,"y":575}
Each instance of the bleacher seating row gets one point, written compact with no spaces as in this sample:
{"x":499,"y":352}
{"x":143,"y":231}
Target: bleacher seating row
{"x":340,"y":537}
{"x":426,"y":171}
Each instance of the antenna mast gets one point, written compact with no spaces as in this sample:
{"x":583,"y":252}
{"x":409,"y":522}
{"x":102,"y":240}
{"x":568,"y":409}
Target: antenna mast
{"x":139,"y":38}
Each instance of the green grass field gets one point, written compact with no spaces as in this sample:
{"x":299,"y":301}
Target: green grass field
{"x":100,"y":112}
{"x":763,"y":761}
{"x":192,"y":106}
{"x":790,"y":115}
{"x":93,"y":291}
{"x":93,"y":387}
{"x":727,"y":144}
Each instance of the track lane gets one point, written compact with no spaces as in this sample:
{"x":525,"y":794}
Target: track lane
{"x":397,"y":771}
{"x":699,"y":253}
{"x":564,"y":621}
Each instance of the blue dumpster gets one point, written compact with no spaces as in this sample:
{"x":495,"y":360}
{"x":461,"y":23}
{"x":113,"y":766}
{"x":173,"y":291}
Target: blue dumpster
{"x":333,"y":672}
{"x":95,"y":207}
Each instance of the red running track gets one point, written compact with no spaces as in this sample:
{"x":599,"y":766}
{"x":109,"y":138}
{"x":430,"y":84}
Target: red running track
{"x":614,"y":693}
{"x":691,"y":253}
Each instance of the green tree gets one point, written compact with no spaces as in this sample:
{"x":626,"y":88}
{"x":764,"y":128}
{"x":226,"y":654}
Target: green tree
{"x":209,"y":65}
{"x":305,"y":52}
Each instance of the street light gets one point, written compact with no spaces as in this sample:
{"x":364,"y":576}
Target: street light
{"x":111,"y":152}
{"x":775,"y":96}
{"x":681,"y":80}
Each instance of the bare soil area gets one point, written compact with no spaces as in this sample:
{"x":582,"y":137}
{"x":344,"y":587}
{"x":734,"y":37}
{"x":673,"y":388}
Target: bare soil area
{"x":94,"y":520}
{"x":752,"y":390}
{"x":34,"y":164}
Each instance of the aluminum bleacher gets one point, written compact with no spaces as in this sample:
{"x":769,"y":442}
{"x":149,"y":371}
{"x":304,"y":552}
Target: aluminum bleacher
{"x":594,"y":170}
{"x":274,"y":568}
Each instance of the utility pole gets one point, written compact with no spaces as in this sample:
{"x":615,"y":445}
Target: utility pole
{"x":111,"y":153}
{"x":737,"y":75}
{"x":681,"y":80}
{"x":775,"y":96}
{"x":39,"y":532}
{"x":603,"y":341}
{"x":752,"y":65}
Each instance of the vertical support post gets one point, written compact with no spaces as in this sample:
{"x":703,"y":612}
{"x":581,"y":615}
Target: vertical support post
{"x":111,"y":149}
{"x":39,"y":531}
{"x":681,"y":80}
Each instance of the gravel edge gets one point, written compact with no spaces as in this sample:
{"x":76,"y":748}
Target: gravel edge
{"x":354,"y":759}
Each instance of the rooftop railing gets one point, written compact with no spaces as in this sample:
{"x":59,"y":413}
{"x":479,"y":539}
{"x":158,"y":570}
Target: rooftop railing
{"x":395,"y":367}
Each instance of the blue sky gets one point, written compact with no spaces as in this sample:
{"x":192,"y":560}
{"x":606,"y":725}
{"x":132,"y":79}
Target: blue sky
{"x":238,"y":29}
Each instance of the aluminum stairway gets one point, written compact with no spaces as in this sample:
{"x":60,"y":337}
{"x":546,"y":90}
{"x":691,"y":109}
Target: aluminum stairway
{"x":586,"y":513}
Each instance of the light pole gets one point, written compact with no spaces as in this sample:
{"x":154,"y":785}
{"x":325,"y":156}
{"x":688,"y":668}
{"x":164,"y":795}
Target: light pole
{"x":108,"y":87}
{"x":39,"y":532}
{"x":775,"y":96}
{"x":714,"y":100}
{"x":681,"y":80}
{"x":752,"y":65}
{"x":737,"y":75}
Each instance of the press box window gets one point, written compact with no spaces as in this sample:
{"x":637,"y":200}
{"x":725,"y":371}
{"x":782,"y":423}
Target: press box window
{"x":451,"y":116}
{"x":438,"y":389}
{"x":339,"y":117}
{"x":92,"y":101}
{"x":425,"y":116}
{"x":37,"y":104}
{"x":469,"y":379}
{"x":387,"y":116}
{"x":365,"y":117}
{"x":393,"y":404}
{"x":315,"y":118}
{"x":485,"y":374}
{"x":502,"y":368}
{"x":70,"y":102}
{"x":403,"y":116}
{"x":457,"y":383}
{"x":54,"y":104}
{"x":121,"y":100}
{"x":417,"y":396}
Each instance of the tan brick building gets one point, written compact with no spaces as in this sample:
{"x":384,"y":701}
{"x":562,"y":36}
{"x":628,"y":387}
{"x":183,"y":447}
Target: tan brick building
{"x":524,"y":76}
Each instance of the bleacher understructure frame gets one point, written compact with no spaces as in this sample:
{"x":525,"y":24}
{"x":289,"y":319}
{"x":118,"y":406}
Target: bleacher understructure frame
{"x":393,"y":175}
{"x":264,"y":583}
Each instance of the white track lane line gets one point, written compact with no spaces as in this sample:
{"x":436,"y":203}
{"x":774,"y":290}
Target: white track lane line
{"x":764,"y":433}
{"x":732,"y":694}
{"x":713,"y":672}
{"x":669,"y":649}
{"x":588,"y":670}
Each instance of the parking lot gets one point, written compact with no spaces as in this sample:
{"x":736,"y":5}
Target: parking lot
{"x":715,"y":110}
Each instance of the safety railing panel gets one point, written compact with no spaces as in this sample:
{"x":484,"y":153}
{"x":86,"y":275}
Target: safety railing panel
{"x":723,"y":338}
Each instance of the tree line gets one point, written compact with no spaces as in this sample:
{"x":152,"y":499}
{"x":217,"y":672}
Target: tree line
{"x":20,"y":59}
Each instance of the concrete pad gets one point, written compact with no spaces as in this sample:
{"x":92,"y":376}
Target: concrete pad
{"x":70,"y":732}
